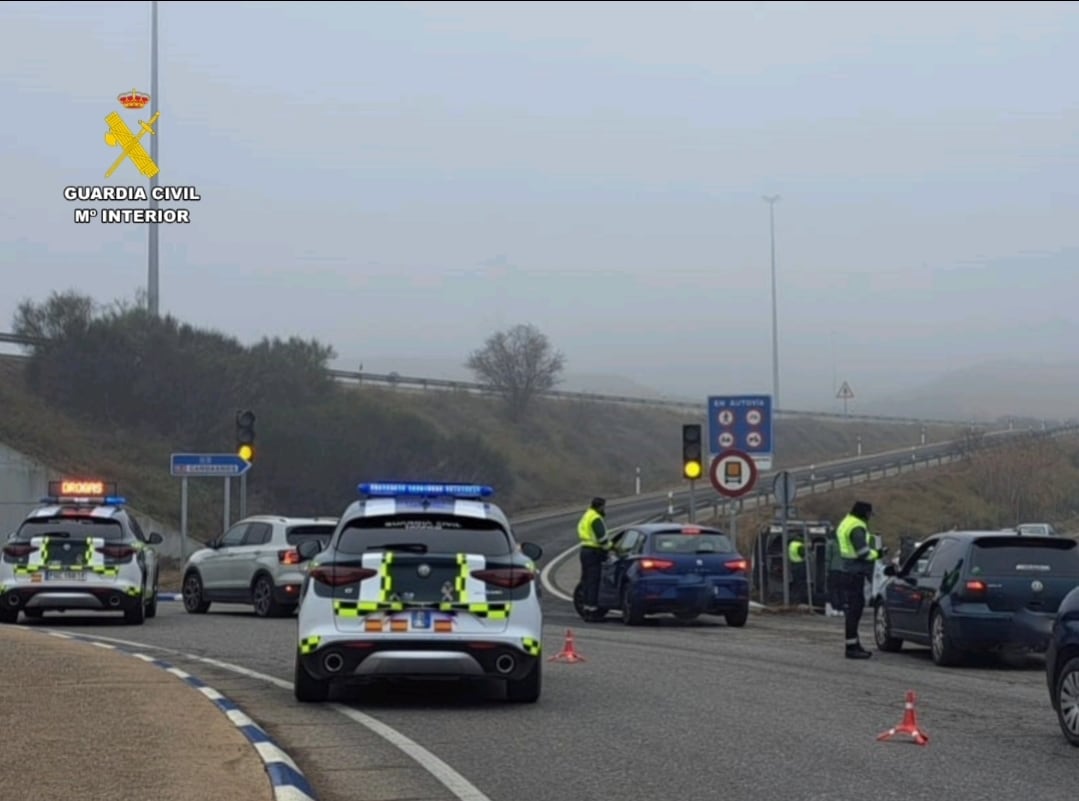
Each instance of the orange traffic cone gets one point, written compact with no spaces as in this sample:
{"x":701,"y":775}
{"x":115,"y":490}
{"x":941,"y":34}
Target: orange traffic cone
{"x":568,"y":652}
{"x":909,"y":725}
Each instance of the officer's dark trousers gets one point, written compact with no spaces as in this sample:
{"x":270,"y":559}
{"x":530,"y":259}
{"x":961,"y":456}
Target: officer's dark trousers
{"x":591,"y":567}
{"x":854,"y":598}
{"x":837,"y":590}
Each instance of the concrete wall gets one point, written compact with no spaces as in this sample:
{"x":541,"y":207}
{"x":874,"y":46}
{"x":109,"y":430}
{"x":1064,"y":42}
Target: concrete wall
{"x":24,"y":482}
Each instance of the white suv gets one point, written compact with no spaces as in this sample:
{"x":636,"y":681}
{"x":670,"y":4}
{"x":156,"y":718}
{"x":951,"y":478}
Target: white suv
{"x":255,"y":562}
{"x":420,"y":581}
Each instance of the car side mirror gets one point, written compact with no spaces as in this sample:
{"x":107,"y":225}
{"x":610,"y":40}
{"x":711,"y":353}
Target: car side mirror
{"x":531,"y":550}
{"x":214,"y":544}
{"x":155,"y":538}
{"x":889,"y":570}
{"x":309,"y":549}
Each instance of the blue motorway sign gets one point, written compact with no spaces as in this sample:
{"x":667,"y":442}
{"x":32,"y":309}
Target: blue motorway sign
{"x":224,"y":465}
{"x":744,"y":423}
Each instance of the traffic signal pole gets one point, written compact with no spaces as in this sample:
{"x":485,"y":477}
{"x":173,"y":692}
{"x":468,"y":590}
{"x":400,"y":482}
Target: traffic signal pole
{"x":228,"y":503}
{"x":243,"y":496}
{"x":692,"y":501}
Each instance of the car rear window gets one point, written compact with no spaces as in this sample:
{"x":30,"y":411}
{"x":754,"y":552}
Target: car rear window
{"x":438,"y":533}
{"x":1007,"y":557}
{"x":676,"y":542}
{"x":321,"y":532}
{"x":71,"y":528}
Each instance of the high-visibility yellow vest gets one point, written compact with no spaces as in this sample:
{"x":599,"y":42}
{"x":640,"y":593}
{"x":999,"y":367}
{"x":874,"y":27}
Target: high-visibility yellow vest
{"x":796,"y":551}
{"x":584,"y":529}
{"x":842,"y":534}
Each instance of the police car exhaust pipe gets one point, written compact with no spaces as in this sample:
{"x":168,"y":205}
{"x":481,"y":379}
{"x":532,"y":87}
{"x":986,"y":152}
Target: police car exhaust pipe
{"x":505,"y":664}
{"x":332,"y":663}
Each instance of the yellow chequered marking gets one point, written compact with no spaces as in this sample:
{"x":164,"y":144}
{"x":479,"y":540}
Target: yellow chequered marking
{"x":358,"y":608}
{"x":309,"y":644}
{"x":531,"y":646}
{"x":498,"y":611}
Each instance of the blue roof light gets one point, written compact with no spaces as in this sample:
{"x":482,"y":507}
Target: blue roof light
{"x":399,"y":489}
{"x":83,"y":500}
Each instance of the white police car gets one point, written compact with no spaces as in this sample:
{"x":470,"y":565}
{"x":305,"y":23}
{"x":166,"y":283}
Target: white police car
{"x":82,"y":551}
{"x":420,"y":581}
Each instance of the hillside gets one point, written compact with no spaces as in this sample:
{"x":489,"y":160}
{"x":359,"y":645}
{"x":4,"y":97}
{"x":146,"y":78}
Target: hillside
{"x":988,"y":391}
{"x":563,"y":453}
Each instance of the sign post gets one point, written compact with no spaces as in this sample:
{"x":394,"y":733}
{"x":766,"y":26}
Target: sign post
{"x":742,"y":423}
{"x":845,"y":394}
{"x":692,"y":517}
{"x":785,"y":490}
{"x":201,"y":465}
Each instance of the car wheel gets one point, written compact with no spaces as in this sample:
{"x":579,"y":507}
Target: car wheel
{"x":526,"y":690}
{"x":192,"y":592}
{"x":136,"y":615}
{"x":1067,"y":700}
{"x":945,"y":654}
{"x":882,"y":631}
{"x":263,"y":600}
{"x":738,"y":618}
{"x":306,"y":687}
{"x":578,"y":607}
{"x":631,"y":610}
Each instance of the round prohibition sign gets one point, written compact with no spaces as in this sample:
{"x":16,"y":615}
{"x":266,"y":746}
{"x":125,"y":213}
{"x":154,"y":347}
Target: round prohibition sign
{"x":726,"y":440}
{"x":726,"y":417}
{"x":754,"y":439}
{"x":754,"y":417}
{"x":733,"y":473}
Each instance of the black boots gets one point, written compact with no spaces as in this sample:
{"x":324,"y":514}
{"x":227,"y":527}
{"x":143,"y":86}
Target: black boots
{"x":856,"y":651}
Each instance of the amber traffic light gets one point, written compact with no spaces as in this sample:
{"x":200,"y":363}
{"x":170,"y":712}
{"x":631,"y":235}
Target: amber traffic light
{"x":692,"y":464}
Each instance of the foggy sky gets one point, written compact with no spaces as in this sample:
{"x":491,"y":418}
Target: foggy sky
{"x":399,"y":179}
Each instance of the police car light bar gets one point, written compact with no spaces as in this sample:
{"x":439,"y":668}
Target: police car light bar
{"x":396,"y":489}
{"x":84,"y":500}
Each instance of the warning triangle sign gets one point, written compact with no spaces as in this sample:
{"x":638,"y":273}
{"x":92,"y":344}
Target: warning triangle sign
{"x":845,"y":392}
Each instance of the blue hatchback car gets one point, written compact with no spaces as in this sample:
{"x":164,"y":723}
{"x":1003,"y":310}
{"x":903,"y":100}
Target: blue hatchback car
{"x":684,"y":570}
{"x":966,"y":591}
{"x":1062,"y":667}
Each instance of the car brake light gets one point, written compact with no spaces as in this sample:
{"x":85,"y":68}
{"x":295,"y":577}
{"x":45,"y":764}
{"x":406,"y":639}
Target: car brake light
{"x":737,"y":565}
{"x":18,"y":551}
{"x":508,"y":577}
{"x":656,"y":564}
{"x":690,"y":530}
{"x":340,"y":576}
{"x":976,"y":587}
{"x":117,"y":551}
{"x":289,"y":557}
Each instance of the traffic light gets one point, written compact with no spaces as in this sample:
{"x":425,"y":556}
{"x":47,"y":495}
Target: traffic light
{"x":692,"y":466}
{"x":245,"y":434}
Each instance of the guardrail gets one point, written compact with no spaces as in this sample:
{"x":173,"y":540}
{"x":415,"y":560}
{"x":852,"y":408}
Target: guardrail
{"x":423,"y":384}
{"x":832,"y":478}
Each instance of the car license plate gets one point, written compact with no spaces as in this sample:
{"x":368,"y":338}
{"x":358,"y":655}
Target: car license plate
{"x":65,"y":575}
{"x":421,"y":619}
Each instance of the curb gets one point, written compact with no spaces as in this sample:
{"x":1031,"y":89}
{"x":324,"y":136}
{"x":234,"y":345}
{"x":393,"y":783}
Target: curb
{"x":286,"y":779}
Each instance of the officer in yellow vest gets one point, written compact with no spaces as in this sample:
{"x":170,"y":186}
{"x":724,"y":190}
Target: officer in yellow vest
{"x":796,"y":555}
{"x":592,"y":533}
{"x":857,"y":559}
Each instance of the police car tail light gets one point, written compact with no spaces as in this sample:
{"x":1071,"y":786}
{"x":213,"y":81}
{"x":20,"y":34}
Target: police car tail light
{"x":18,"y":550}
{"x":737,"y":565}
{"x":289,"y":557}
{"x":508,"y":577}
{"x":340,"y":576}
{"x":117,"y":551}
{"x":656,"y":564}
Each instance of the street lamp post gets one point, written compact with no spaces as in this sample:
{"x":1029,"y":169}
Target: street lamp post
{"x":771,"y":200}
{"x":153,"y":294}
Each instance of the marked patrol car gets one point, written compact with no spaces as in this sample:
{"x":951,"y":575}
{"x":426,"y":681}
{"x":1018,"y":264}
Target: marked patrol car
{"x":82,"y":551}
{"x":420,"y":581}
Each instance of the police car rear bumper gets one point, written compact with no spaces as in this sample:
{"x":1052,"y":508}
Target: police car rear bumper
{"x":96,"y":599}
{"x":358,"y":659}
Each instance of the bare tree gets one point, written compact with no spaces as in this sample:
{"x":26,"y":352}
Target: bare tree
{"x":62,"y":314}
{"x":517,"y":363}
{"x":1012,"y":479}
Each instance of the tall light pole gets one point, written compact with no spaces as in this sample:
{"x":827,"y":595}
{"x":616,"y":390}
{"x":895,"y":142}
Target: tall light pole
{"x":771,"y":200}
{"x":153,"y":294}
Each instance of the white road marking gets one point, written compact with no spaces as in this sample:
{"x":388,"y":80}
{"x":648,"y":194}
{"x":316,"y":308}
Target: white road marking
{"x":445,"y":775}
{"x":550,"y":567}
